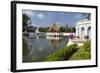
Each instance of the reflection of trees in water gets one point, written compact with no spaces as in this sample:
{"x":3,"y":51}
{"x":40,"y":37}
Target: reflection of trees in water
{"x":27,"y":45}
{"x":25,"y":49}
{"x":55,"y":42}
{"x":36,"y":50}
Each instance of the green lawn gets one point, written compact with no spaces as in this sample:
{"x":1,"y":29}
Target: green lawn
{"x":83,"y":53}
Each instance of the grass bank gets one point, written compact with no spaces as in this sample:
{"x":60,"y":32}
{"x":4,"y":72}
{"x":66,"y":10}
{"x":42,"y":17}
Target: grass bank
{"x":83,"y":53}
{"x":72,"y":52}
{"x":63,"y":54}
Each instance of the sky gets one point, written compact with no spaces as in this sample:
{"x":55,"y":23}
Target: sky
{"x":47,"y":18}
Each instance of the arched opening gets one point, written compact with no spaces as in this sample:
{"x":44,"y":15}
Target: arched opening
{"x":82,"y":32}
{"x":89,"y":32}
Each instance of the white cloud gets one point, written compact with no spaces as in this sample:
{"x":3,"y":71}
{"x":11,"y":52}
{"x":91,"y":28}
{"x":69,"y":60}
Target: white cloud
{"x":34,"y":25}
{"x":29,"y":13}
{"x":41,"y":16}
{"x":32,"y":14}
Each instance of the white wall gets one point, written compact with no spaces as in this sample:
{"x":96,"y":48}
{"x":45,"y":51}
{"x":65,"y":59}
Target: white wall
{"x":79,"y":31}
{"x":5,"y":37}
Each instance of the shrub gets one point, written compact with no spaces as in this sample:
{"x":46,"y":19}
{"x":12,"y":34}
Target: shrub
{"x":87,"y":45}
{"x":63,"y":54}
{"x":83,"y":53}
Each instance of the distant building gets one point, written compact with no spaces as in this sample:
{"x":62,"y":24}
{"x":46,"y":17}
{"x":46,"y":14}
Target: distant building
{"x":31,"y":29}
{"x":54,"y":28}
{"x":83,"y":28}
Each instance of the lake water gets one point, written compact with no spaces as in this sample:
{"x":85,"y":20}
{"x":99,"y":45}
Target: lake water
{"x":40,"y":47}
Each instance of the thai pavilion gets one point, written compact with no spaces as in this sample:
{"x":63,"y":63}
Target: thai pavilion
{"x":54,"y":28}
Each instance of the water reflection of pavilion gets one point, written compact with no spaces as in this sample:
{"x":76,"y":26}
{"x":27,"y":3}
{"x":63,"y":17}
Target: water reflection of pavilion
{"x":54,"y":42}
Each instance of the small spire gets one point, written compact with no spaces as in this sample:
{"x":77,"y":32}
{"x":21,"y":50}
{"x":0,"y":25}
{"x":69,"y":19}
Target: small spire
{"x":54,"y":22}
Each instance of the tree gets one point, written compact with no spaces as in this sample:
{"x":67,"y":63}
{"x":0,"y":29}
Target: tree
{"x":67,"y":28}
{"x":26,"y":18}
{"x":62,"y":29}
{"x":73,"y":29}
{"x":43,"y":29}
{"x":87,"y":15}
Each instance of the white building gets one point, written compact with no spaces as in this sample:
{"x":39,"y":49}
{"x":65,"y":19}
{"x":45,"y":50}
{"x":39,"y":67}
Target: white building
{"x":83,"y":28}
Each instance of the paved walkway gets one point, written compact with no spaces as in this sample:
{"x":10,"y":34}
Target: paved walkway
{"x":79,"y":42}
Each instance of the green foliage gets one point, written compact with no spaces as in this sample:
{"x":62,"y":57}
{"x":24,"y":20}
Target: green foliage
{"x":63,"y":54}
{"x":73,"y":29}
{"x":62,"y":29}
{"x":26,"y":18}
{"x":31,"y":29}
{"x":43,"y":29}
{"x":83,"y":53}
{"x":67,"y":29}
{"x":87,"y":45}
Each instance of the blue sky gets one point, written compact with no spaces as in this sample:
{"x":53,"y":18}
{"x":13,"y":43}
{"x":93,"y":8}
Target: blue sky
{"x":47,"y":18}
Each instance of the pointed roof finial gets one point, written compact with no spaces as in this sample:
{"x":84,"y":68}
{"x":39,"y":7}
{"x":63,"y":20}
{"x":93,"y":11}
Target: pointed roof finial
{"x":54,"y":22}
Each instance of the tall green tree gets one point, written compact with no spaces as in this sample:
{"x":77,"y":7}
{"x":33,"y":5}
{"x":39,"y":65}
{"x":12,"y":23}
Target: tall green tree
{"x":26,"y":18}
{"x":67,"y":27}
{"x":73,"y":29}
{"x":62,"y":29}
